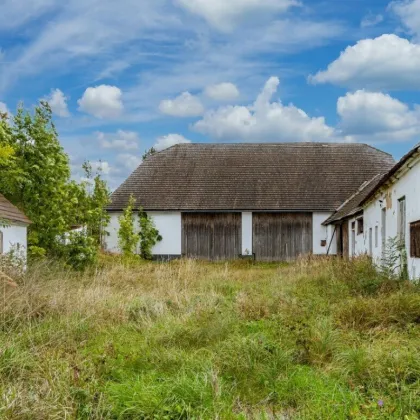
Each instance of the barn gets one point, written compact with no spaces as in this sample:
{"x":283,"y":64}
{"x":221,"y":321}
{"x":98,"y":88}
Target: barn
{"x":226,"y":201}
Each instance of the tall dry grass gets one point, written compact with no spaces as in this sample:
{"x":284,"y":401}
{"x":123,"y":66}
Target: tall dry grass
{"x":321,"y":338}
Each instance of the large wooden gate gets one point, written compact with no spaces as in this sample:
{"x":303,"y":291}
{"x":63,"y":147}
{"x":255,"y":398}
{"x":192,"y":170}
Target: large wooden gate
{"x":281,"y":236}
{"x":211,"y":236}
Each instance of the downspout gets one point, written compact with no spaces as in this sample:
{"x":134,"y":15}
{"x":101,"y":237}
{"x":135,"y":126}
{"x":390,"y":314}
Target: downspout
{"x":332,"y":238}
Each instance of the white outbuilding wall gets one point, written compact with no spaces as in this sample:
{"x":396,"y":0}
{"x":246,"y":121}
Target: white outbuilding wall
{"x":407,"y":186}
{"x":323,"y":233}
{"x":168,"y":225}
{"x":15,"y":239}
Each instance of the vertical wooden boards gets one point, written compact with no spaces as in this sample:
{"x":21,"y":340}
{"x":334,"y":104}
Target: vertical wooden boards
{"x":281,"y":236}
{"x":211,"y":236}
{"x":345,"y":235}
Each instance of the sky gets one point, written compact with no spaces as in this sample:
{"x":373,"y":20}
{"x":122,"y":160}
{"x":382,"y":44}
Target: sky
{"x":123,"y":76}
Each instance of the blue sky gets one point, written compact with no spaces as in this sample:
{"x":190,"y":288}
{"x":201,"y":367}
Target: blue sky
{"x":124,"y":76}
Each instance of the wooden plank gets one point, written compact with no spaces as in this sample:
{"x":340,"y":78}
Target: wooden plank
{"x":345,"y":236}
{"x":212,"y":236}
{"x":281,"y":236}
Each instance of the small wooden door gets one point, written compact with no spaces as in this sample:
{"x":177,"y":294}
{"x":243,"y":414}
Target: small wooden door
{"x":281,"y":236}
{"x":211,"y":236}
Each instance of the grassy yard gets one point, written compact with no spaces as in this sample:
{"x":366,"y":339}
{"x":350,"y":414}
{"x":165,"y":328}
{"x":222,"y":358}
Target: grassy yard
{"x":319,"y":339}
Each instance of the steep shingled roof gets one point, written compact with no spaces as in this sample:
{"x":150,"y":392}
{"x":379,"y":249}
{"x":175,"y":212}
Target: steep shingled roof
{"x":242,"y":176}
{"x":10,"y":212}
{"x":352,"y":205}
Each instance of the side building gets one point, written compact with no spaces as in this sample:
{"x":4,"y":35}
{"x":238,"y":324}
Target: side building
{"x":384,"y":210}
{"x":13,"y":229}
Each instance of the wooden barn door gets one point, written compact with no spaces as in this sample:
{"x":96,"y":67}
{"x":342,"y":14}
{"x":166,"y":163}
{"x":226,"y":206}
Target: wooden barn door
{"x":211,"y":236}
{"x":281,"y":236}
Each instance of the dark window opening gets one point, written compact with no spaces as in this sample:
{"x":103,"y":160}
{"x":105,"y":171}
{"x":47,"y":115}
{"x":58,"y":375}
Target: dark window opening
{"x":360,"y":226}
{"x":415,"y":239}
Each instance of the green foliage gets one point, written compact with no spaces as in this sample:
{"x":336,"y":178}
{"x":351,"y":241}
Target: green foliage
{"x":36,"y":178}
{"x":149,"y":153}
{"x":80,"y":250}
{"x":128,"y":238}
{"x":95,"y":215}
{"x":394,"y":260}
{"x":149,"y":235}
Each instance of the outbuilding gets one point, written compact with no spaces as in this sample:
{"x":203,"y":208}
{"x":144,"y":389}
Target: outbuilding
{"x":385,"y":211}
{"x":13,"y":229}
{"x":225,"y":201}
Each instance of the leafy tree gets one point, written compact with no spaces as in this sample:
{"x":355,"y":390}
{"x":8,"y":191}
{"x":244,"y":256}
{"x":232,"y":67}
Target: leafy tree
{"x":97,"y":218}
{"x":40,"y":187}
{"x":127,"y":237}
{"x":36,"y":178}
{"x":149,"y":235}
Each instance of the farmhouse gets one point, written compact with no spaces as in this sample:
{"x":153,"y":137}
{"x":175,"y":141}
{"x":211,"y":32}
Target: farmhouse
{"x":385,"y":208}
{"x":270,"y":201}
{"x":13,"y":228}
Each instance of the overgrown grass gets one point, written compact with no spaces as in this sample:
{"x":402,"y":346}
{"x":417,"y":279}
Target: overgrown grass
{"x":318,"y":339}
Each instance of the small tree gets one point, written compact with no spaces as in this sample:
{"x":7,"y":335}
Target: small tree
{"x":149,"y":153}
{"x":97,"y":218}
{"x":127,"y":236}
{"x":149,"y":235}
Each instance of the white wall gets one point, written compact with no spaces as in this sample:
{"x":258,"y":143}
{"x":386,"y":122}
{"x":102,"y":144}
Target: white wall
{"x":168,"y":224}
{"x":322,"y":233}
{"x":247,"y":233}
{"x":409,"y":186}
{"x":361,"y":245}
{"x":15,"y":237}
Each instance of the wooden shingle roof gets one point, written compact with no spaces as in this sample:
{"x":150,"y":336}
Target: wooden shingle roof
{"x":10,"y":212}
{"x":352,"y":205}
{"x":243,"y":176}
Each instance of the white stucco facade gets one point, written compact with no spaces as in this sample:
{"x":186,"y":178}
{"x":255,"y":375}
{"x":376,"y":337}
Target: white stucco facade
{"x":14,"y":238}
{"x":382,"y":215}
{"x":168,"y":225}
{"x":322,"y":235}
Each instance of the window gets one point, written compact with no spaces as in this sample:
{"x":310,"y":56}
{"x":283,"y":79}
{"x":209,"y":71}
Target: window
{"x":370,"y":241}
{"x":383,"y":230}
{"x":401,"y":219}
{"x":360,"y":226}
{"x":415,"y":239}
{"x":376,"y":236}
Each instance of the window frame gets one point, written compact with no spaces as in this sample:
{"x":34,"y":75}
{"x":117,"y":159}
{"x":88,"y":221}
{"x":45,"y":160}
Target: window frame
{"x":402,"y":219}
{"x":360,"y":226}
{"x":415,"y":239}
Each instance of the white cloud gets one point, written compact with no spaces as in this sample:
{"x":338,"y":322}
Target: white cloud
{"x":121,"y":140}
{"x":386,"y":62}
{"x":409,"y":13}
{"x":102,"y":101}
{"x":170,"y":140}
{"x":264,"y":121}
{"x":224,"y":15}
{"x":58,"y":103}
{"x":3,"y":108}
{"x":222,"y":92}
{"x":128,"y":161}
{"x":101,"y":166}
{"x":376,"y":116}
{"x":371,"y":20}
{"x":185,"y":105}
